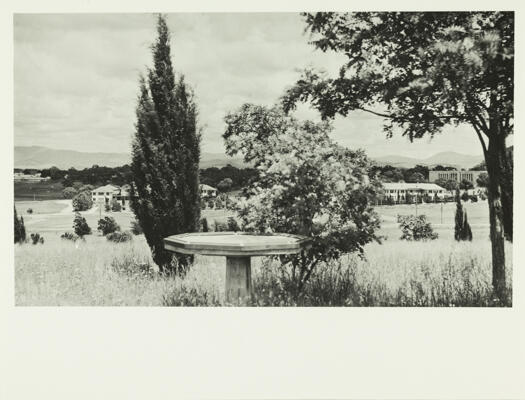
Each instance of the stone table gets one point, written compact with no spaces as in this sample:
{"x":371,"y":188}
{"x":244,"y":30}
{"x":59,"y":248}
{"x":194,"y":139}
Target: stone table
{"x":238,"y":247}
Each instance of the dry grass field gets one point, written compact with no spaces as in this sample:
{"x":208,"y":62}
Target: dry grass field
{"x":394,"y":273}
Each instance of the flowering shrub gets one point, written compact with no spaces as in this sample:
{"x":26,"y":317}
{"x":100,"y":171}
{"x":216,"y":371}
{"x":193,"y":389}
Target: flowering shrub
{"x":307,"y":185}
{"x":415,"y":228}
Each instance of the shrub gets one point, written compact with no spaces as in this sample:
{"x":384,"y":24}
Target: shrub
{"x":225,"y":185}
{"x":107,"y":208}
{"x":462,"y":229}
{"x":136,"y":229}
{"x":483,"y":196}
{"x":415,"y":228}
{"x":233,"y":225}
{"x":107,"y":225}
{"x":220,"y":226}
{"x":80,"y":225}
{"x":115,"y":205}
{"x":211,"y":204}
{"x":190,"y":298}
{"x":36,"y":238}
{"x":20,"y":229}
{"x":69,"y":236}
{"x":82,"y":202}
{"x":119,"y":237}
{"x":69,"y":193}
{"x":130,"y":266}
{"x":303,"y":174}
{"x":474,"y":198}
{"x":465,"y":196}
{"x":204,"y":225}
{"x":30,"y":211}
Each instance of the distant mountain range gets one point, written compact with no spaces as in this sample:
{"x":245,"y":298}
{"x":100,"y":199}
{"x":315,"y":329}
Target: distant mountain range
{"x":448,"y":158}
{"x":44,"y":157}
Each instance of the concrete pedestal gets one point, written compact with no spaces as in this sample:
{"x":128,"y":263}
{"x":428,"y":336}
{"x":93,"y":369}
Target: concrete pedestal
{"x":238,"y":278}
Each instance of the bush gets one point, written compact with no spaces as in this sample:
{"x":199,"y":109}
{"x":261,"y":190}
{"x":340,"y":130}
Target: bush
{"x":190,"y":298}
{"x":474,"y":198}
{"x":415,"y":228}
{"x":36,"y":238}
{"x":136,"y":229}
{"x":204,"y":225}
{"x":69,"y":236}
{"x":119,"y":237}
{"x":465,"y":196}
{"x":220,"y":226}
{"x":233,"y":225}
{"x":107,"y":208}
{"x":30,"y":211}
{"x":107,"y":225}
{"x":115,"y":205}
{"x":80,"y":225}
{"x":69,"y":193}
{"x":130,"y":266}
{"x":211,"y":204}
{"x":82,"y":202}
{"x":20,"y":229}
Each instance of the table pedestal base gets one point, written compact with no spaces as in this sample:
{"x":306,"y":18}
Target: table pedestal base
{"x":238,"y":278}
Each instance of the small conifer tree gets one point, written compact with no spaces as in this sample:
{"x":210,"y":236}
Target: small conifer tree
{"x":462,"y":229}
{"x":20,"y":230}
{"x":81,"y":226}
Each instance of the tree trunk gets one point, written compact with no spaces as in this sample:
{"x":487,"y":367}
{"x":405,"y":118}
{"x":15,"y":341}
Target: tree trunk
{"x":497,"y":230}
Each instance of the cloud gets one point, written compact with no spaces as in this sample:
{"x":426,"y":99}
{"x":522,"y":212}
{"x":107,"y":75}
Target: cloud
{"x":76,"y":77}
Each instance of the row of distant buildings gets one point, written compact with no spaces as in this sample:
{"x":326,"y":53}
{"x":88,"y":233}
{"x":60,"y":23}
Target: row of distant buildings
{"x":107,"y":194}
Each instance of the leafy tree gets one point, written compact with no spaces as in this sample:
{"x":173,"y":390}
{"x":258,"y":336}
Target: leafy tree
{"x":466,"y":185}
{"x":115,"y":205}
{"x":416,"y":228}
{"x":20,"y":229}
{"x":465,"y":196}
{"x":225,"y":185}
{"x":416,"y":177}
{"x":483,"y":180}
{"x":421,"y":71}
{"x":69,"y":193}
{"x":80,"y":225}
{"x":82,"y":201}
{"x":462,"y":229}
{"x":165,"y":155}
{"x":307,"y":185}
{"x":107,"y":225}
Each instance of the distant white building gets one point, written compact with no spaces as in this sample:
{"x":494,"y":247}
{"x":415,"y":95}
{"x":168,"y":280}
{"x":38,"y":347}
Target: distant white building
{"x":398,"y":191}
{"x":21,"y":177}
{"x":207,"y":191}
{"x":455,"y":175}
{"x":104,"y":195}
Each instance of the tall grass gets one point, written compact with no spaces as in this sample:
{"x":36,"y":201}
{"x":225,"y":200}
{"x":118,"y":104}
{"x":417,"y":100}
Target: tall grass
{"x":98,"y":272}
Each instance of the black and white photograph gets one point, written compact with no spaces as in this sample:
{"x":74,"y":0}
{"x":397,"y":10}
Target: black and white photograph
{"x":264,"y":159}
{"x":262,"y":200}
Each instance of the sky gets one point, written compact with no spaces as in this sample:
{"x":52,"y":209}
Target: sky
{"x":76,"y":79}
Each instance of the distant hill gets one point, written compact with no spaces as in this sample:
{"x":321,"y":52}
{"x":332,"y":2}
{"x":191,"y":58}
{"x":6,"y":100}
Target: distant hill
{"x":45,"y":157}
{"x":448,"y":158}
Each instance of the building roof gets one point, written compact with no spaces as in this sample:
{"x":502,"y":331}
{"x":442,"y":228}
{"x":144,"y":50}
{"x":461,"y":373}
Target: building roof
{"x":107,"y":188}
{"x":411,"y":186}
{"x":206,"y":187}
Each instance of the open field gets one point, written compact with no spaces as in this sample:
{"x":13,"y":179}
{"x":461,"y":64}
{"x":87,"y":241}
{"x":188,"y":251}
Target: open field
{"x":393,"y":273}
{"x":38,"y":190}
{"x":98,"y":272}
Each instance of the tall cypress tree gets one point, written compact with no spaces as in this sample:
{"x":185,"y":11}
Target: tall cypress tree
{"x":20,"y":229}
{"x":165,"y":155}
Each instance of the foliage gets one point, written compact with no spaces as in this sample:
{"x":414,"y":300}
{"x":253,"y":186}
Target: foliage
{"x":483,"y":180}
{"x":465,"y":196}
{"x":20,"y":229}
{"x":421,"y":71}
{"x":36,"y":238}
{"x":107,"y":225}
{"x":204,"y":225}
{"x":462,"y":229}
{"x":119,"y":237}
{"x":225,"y":185}
{"x":307,"y":185}
{"x":30,"y":211}
{"x":240,"y":177}
{"x":473,"y":198}
{"x":220,"y":226}
{"x":69,"y":193}
{"x":82,"y":201}
{"x":136,"y":229}
{"x":69,"y":236}
{"x":415,"y":228}
{"x":190,"y":297}
{"x":80,"y":225}
{"x":165,"y":155}
{"x":416,"y":177}
{"x":466,"y":185}
{"x":115,"y":205}
{"x":448,"y":184}
{"x":233,"y":226}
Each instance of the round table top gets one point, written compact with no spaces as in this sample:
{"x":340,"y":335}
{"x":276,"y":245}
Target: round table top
{"x":235,"y":243}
